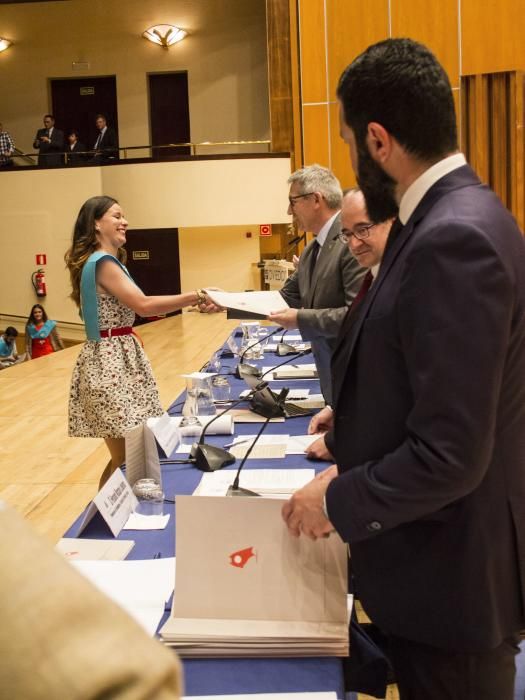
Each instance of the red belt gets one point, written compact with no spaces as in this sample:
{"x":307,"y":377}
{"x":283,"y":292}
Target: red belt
{"x":109,"y":332}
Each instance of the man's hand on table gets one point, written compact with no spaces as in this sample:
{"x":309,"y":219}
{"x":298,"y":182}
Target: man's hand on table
{"x":304,"y":512}
{"x":319,"y":450}
{"x":322,"y":421}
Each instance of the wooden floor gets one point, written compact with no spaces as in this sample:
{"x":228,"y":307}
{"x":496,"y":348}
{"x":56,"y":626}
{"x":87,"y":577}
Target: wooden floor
{"x":50,"y":477}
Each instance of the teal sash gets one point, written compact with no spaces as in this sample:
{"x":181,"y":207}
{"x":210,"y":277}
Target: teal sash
{"x":41,"y":332}
{"x":88,"y":293}
{"x":6,"y":349}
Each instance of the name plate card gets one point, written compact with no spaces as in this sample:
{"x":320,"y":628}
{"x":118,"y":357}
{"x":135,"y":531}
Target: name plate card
{"x":115,"y":502}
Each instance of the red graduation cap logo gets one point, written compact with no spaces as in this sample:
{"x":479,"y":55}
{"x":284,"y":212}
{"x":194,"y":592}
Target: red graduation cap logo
{"x":241,"y":557}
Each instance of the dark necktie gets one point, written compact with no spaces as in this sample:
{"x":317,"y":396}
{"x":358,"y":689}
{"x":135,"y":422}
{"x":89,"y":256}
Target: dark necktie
{"x":349,"y":317}
{"x":313,"y":257}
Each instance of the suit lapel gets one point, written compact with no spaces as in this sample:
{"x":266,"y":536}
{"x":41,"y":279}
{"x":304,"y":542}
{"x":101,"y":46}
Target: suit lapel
{"x":346,"y":341}
{"x":324,"y":258}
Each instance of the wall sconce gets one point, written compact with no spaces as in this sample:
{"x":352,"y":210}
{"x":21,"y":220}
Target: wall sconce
{"x":5,"y":44}
{"x":164,"y":34}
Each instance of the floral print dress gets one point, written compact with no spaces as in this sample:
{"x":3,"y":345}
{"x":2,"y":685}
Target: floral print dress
{"x":112,"y":389}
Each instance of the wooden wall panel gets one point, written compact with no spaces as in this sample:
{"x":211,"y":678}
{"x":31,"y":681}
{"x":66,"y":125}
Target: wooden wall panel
{"x":350,"y":29}
{"x":517,"y":147}
{"x":493,"y":116}
{"x":492,"y":36}
{"x":434,"y":24}
{"x":315,"y":135}
{"x":279,"y":75}
{"x":340,"y":154}
{"x":313,"y":54}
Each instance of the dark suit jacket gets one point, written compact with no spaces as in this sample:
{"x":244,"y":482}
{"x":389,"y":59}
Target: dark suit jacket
{"x":107,"y":149}
{"x":50,"y":154}
{"x":76,"y":155}
{"x":429,"y":384}
{"x":324,"y":299}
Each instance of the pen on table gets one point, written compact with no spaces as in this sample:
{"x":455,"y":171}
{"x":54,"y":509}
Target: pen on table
{"x":158,"y":556}
{"x":237,"y":442}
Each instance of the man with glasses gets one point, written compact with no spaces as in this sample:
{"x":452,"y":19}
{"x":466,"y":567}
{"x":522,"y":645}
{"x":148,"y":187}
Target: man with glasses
{"x":327,"y":277}
{"x":366,"y":241}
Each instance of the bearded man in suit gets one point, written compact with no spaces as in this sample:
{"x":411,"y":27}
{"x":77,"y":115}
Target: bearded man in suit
{"x":429,"y":394}
{"x":327,"y":277}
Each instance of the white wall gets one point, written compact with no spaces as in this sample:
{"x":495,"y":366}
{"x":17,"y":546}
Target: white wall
{"x":224,"y":54}
{"x":214,"y":202}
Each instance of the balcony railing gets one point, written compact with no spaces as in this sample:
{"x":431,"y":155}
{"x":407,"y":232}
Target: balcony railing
{"x":169,"y":151}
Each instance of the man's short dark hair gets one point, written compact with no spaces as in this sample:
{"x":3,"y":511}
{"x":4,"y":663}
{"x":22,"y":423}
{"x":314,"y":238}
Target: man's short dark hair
{"x":401,"y":85}
{"x":49,"y":116}
{"x":10,"y":331}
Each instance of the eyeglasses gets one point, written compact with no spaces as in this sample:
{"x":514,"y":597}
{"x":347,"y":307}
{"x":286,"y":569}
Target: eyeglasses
{"x":294,"y":197}
{"x":361,"y":231}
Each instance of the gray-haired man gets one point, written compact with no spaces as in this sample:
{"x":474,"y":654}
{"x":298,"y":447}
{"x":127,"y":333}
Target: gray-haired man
{"x":328,"y":276}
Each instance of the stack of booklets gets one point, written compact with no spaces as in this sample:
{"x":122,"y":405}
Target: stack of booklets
{"x":246,"y":588}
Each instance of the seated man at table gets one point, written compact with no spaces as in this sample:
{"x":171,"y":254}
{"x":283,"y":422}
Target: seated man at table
{"x":8,"y":352}
{"x":366,"y":241}
{"x":61,"y":638}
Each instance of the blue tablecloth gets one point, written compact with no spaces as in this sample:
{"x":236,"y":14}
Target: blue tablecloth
{"x":222,"y":676}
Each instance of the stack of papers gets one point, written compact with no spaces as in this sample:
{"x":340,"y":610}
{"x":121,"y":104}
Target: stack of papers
{"x":247,"y":588}
{"x":268,"y":696}
{"x":266,"y":482}
{"x":306,"y":371}
{"x":141,"y":588}
{"x":74,"y":548}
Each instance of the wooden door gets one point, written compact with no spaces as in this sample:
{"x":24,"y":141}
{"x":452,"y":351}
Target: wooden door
{"x":153,"y":262}
{"x":169,"y":112}
{"x":77,"y":101}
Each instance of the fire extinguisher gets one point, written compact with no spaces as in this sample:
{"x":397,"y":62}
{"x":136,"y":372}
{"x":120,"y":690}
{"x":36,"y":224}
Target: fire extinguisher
{"x":38,"y":280}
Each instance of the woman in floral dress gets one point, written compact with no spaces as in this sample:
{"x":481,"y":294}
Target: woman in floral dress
{"x":112,"y":389}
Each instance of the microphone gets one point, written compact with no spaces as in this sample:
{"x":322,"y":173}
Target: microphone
{"x":285,"y":348}
{"x":243,"y":368}
{"x":235,"y":489}
{"x":209,"y":458}
{"x":289,"y":359}
{"x":267,"y":403}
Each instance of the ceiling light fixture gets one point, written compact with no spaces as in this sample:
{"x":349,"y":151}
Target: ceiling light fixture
{"x":5,"y":44}
{"x":164,"y":34}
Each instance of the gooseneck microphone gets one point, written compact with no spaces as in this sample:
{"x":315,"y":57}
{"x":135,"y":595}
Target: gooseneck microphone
{"x":243,"y":368}
{"x":235,"y":489}
{"x":267,"y":403}
{"x":209,"y":458}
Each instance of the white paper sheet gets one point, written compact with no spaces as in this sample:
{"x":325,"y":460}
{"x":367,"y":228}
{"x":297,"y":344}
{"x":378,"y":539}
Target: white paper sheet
{"x":74,"y":548}
{"x":297,"y":444}
{"x":267,"y":696}
{"x":255,"y":302}
{"x":165,"y":430}
{"x":138,"y":521}
{"x":296,"y":394}
{"x":289,"y":371}
{"x":269,"y":481}
{"x":142,"y":458}
{"x":141,"y":588}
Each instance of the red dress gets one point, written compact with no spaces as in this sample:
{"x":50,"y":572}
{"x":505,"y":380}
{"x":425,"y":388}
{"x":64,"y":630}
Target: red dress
{"x":41,"y":346}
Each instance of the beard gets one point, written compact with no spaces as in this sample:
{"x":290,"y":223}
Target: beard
{"x":377,"y":186}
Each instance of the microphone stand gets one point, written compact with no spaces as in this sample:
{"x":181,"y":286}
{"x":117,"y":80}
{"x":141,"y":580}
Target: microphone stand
{"x":264,"y":401}
{"x":209,"y":458}
{"x":235,"y":489}
{"x":245,"y":368}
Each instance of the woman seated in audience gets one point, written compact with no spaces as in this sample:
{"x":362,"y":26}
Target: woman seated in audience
{"x":41,"y":334}
{"x":112,"y":389}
